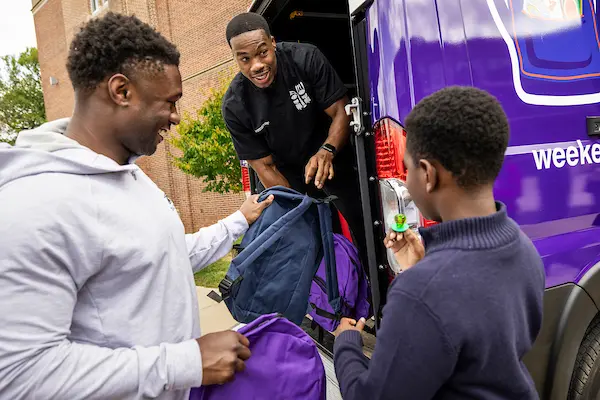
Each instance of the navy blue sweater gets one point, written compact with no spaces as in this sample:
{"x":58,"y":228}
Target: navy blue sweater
{"x":458,"y":323}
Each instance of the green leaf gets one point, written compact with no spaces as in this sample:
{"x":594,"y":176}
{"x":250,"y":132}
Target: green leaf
{"x":21,"y":95}
{"x":205,"y":142}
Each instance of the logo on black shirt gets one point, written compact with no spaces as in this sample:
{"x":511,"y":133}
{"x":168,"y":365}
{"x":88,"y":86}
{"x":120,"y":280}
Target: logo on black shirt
{"x":300,"y":97}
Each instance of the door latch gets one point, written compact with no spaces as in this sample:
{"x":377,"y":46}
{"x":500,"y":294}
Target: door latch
{"x":354,"y":110}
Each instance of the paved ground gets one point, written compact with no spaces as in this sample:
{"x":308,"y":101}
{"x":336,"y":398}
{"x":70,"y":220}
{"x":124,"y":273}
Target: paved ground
{"x":214,"y":316}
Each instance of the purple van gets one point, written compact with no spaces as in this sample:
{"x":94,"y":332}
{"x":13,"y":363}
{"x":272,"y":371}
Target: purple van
{"x":541,"y":59}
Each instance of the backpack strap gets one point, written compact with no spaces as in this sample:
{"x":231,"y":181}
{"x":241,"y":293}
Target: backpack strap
{"x":333,"y":293}
{"x":325,"y":314}
{"x":268,"y":237}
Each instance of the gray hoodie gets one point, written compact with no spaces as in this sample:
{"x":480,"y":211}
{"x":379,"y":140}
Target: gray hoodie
{"x":97,"y":293}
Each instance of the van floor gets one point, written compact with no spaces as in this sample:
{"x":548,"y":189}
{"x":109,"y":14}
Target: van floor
{"x":328,"y":338}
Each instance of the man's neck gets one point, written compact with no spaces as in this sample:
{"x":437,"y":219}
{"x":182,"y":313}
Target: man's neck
{"x":468,"y":204}
{"x":89,"y":130}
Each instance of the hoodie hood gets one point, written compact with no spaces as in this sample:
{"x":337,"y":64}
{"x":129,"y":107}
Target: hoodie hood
{"x":47,"y":150}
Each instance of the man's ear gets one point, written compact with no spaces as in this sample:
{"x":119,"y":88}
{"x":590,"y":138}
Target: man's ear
{"x":119,"y":89}
{"x":273,"y":42}
{"x":431,"y":175}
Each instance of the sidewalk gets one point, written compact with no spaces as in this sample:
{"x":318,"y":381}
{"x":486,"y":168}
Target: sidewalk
{"x":214,"y":317}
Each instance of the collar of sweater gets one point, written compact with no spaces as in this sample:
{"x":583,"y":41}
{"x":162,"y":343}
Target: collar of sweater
{"x":477,"y":233}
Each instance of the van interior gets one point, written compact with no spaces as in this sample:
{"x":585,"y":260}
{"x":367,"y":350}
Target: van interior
{"x":325,"y":24}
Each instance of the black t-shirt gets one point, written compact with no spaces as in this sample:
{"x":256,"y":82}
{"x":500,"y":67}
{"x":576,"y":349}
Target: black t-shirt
{"x":286,"y":120}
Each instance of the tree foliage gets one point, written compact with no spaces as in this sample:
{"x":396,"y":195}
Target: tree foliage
{"x":21,"y":96}
{"x":7,"y":137}
{"x":208,"y":151}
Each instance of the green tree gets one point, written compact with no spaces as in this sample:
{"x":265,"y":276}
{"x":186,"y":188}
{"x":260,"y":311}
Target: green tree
{"x":208,"y":151}
{"x":21,"y":96}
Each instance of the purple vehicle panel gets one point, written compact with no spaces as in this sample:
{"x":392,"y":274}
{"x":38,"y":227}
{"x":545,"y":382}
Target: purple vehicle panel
{"x":544,"y":67}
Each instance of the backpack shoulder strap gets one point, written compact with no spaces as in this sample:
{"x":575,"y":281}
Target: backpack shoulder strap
{"x":267,"y":238}
{"x":333,"y":293}
{"x":273,"y":233}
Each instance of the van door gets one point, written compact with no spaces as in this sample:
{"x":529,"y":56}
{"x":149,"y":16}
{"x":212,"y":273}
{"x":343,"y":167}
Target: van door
{"x":361,"y":124}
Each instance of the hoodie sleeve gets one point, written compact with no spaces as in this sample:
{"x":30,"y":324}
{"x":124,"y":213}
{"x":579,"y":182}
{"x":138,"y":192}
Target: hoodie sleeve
{"x":214,"y":242}
{"x":46,"y":256}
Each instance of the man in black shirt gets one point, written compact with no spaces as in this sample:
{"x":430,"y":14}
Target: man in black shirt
{"x":285,"y":112}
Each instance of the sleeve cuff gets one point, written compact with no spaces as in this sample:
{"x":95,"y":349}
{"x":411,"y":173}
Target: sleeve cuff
{"x":237,"y":224}
{"x":338,"y":95}
{"x":184,"y":365}
{"x":254,"y":156}
{"x":350,"y":337}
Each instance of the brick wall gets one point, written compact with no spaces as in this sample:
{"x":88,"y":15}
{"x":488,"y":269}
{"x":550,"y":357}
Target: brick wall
{"x":198,"y":30}
{"x":52,"y":51}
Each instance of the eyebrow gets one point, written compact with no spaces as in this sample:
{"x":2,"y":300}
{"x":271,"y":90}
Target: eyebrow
{"x":243,"y":53}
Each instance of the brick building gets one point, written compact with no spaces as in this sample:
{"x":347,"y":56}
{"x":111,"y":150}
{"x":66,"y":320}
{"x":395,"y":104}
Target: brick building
{"x":197,"y":27}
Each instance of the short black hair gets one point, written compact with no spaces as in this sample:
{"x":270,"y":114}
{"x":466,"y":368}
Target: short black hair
{"x":246,"y":22}
{"x":465,"y":129}
{"x":113,"y":44}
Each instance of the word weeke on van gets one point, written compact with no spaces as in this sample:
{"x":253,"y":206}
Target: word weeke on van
{"x":541,"y":59}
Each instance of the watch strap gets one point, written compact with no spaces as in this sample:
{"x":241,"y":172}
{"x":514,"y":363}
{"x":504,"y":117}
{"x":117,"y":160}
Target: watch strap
{"x":330,"y":148}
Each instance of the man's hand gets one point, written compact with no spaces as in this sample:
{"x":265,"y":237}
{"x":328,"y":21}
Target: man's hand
{"x":252,"y":208}
{"x":407,"y":248}
{"x":319,"y":167}
{"x":348,"y":324}
{"x":223,"y":354}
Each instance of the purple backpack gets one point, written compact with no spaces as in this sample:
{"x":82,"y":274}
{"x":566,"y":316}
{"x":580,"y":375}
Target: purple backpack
{"x":285,"y":364}
{"x":352,"y":285}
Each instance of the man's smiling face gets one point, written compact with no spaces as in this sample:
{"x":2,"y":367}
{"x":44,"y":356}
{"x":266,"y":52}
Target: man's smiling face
{"x":254,"y":53}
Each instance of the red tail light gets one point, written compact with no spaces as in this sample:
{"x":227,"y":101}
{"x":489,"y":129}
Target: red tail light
{"x":390,"y":145}
{"x":245,"y":177}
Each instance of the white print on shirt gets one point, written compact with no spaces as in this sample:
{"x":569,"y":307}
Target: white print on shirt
{"x":260,"y":128}
{"x":300,"y":97}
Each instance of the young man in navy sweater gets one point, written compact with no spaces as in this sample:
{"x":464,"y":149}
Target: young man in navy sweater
{"x":458,"y":323}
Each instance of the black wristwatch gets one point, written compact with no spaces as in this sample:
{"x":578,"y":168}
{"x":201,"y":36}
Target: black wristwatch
{"x":330,"y":148}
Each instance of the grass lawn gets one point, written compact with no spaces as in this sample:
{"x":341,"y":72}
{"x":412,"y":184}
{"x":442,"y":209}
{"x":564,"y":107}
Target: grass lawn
{"x":212,"y":275}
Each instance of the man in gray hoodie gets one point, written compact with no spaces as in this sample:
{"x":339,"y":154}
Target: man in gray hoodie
{"x":96,"y":272}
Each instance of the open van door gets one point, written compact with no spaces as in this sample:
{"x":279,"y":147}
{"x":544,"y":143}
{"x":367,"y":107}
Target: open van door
{"x":339,"y":29}
{"x":361,"y":122}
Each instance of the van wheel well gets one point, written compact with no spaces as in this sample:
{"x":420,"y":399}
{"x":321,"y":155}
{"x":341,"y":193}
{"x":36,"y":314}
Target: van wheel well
{"x":585,"y":381}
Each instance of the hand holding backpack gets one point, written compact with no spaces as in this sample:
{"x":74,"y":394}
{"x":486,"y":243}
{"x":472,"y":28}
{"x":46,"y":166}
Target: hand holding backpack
{"x":279,"y":257}
{"x":285,"y":364}
{"x":291,"y":259}
{"x":353,"y":288}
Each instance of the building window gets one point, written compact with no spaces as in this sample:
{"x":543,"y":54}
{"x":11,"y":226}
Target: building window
{"x":98,"y":5}
{"x":95,"y":5}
